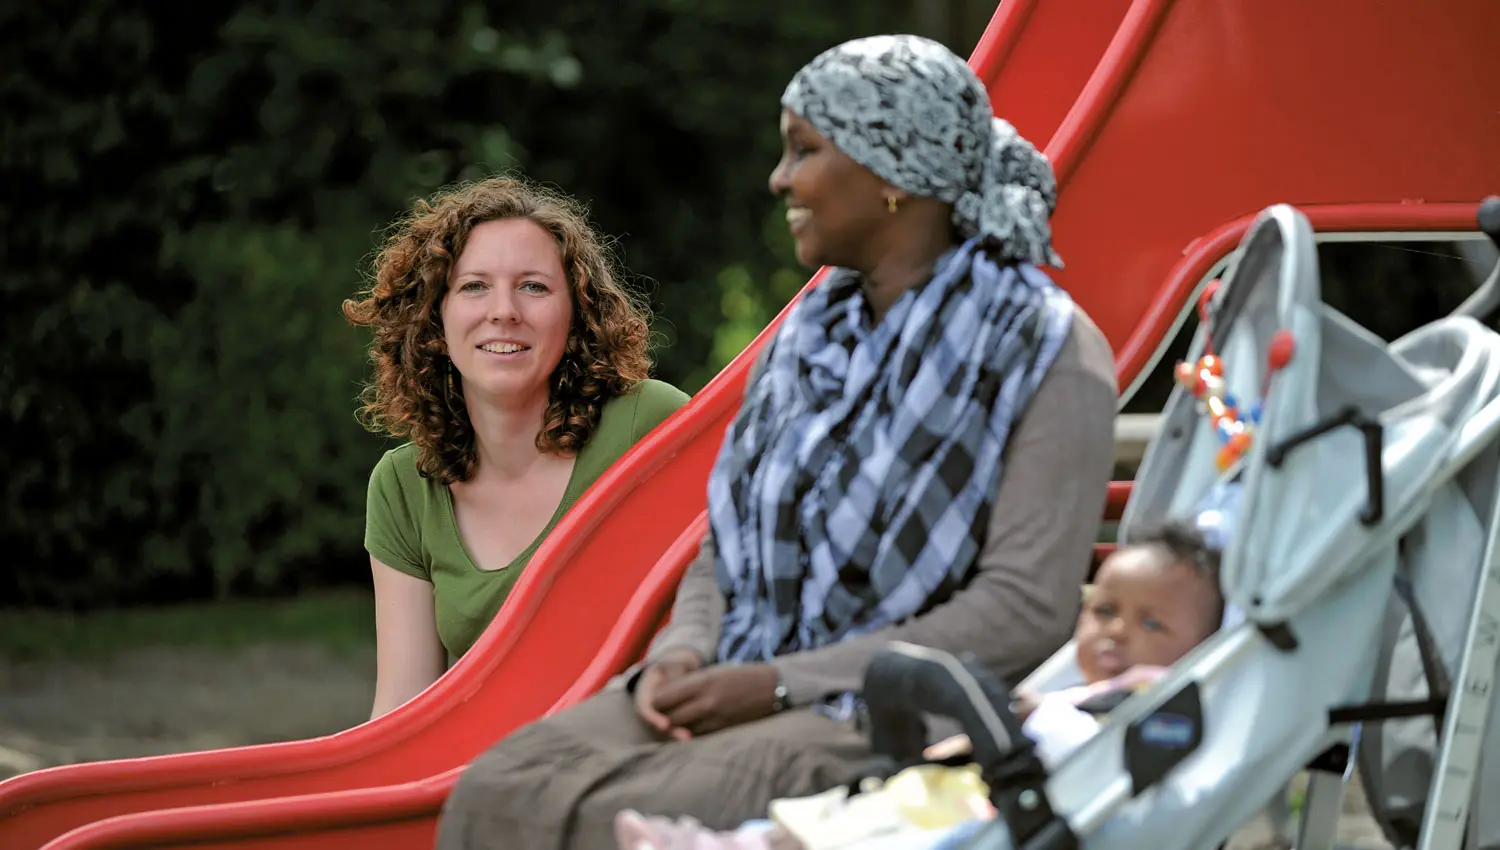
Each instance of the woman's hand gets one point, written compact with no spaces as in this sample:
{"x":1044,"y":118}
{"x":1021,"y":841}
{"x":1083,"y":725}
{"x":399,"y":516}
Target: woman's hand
{"x":670,"y":667}
{"x":717,"y":698}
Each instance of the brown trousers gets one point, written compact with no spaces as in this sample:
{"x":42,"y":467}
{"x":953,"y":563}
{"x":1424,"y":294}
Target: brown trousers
{"x":558,"y":783}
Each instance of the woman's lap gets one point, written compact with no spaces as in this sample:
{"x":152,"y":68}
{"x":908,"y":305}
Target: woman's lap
{"x":559,"y":782}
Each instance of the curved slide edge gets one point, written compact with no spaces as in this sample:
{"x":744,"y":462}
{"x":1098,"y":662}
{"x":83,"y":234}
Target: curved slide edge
{"x":1200,"y":114}
{"x":404,"y":815}
{"x":1035,"y":58}
{"x":400,"y":811}
{"x":1026,"y":43}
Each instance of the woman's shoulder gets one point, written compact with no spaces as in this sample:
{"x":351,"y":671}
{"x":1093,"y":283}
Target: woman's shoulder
{"x":625,"y":419}
{"x":648,"y":405}
{"x":1086,"y":350}
{"x":659,"y":392}
{"x":397,"y":469}
{"x":637,"y":411}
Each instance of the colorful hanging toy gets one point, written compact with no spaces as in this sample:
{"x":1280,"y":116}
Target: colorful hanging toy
{"x":1205,"y":380}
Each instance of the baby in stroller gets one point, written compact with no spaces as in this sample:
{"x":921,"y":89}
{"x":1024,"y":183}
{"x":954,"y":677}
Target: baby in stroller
{"x":1150,"y":603}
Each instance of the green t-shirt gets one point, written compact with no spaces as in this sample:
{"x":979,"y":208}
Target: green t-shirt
{"x":410,"y":526}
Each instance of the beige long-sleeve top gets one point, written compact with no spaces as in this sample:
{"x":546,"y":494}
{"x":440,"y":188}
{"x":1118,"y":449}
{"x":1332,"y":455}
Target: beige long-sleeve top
{"x":1023,"y":599}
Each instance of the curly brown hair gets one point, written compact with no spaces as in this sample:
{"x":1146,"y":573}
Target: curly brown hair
{"x":408,"y":393}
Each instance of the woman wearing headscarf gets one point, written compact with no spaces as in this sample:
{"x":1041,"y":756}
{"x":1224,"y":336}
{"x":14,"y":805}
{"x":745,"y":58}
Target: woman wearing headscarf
{"x":922,"y":455}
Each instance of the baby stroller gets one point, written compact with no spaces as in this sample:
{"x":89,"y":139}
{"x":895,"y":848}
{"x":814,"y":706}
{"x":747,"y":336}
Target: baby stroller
{"x":1362,"y":566}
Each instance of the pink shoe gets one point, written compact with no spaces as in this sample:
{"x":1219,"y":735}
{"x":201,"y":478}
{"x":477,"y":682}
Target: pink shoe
{"x":635,"y":831}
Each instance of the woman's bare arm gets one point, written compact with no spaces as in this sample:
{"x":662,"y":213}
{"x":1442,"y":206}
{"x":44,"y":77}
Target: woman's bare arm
{"x":408,"y":654}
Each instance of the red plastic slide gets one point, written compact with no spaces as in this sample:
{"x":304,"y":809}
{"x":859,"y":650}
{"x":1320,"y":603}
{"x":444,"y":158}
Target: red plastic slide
{"x":577,"y":584}
{"x":1198,"y":115}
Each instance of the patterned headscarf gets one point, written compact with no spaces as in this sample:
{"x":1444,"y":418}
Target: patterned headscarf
{"x":916,"y":115}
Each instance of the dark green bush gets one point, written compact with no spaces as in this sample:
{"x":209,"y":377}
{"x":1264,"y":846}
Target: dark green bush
{"x":192,"y":189}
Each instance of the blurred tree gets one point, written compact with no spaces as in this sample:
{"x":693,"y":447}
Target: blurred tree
{"x":202,"y":185}
{"x":196,"y":187}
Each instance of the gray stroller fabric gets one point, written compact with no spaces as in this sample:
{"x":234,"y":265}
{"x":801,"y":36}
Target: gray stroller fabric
{"x":1397,"y":757}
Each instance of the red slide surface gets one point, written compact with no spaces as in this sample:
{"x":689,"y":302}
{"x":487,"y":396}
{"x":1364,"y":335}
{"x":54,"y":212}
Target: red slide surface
{"x":1197,"y":115}
{"x":1375,"y":117}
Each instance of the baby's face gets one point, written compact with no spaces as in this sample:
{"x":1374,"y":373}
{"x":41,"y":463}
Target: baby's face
{"x":1143,"y":609}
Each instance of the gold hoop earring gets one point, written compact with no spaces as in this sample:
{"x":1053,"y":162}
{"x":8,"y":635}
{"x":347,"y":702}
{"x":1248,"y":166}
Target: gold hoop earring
{"x":453,"y":390}
{"x":890,"y":203}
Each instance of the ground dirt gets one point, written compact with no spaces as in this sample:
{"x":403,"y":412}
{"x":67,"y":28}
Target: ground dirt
{"x":155,"y":701}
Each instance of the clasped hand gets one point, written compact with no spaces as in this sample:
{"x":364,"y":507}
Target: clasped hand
{"x":680,"y":698}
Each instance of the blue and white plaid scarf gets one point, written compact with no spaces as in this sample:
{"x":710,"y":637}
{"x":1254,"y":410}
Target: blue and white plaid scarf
{"x":853,"y":490}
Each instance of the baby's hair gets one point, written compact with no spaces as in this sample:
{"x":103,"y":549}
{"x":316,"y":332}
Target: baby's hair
{"x":1185,"y":544}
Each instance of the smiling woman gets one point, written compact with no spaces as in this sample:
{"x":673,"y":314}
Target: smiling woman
{"x":515,"y":363}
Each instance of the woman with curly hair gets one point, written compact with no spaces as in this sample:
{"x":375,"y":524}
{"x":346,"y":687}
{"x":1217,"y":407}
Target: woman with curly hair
{"x":515,"y":364}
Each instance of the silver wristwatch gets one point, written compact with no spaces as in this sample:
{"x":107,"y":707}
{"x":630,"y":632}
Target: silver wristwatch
{"x":779,"y":698}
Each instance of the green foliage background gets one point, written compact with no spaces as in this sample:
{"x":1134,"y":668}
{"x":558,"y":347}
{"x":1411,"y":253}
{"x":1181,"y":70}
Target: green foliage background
{"x":194,"y":188}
